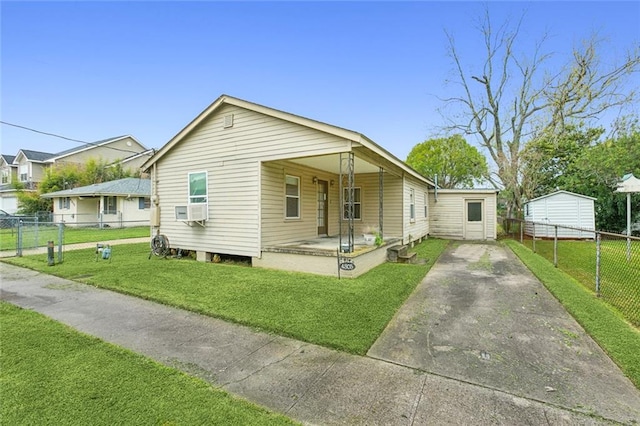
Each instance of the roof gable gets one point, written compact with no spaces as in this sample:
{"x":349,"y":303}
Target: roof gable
{"x":7,"y":159}
{"x":303,"y":121}
{"x":35,"y":156}
{"x":562,"y":192}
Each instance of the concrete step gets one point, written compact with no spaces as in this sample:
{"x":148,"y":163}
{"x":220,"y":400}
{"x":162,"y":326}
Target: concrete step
{"x":394,"y":253}
{"x":408,"y":258}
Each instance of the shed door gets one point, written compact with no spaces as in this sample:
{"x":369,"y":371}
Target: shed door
{"x":474,"y":220}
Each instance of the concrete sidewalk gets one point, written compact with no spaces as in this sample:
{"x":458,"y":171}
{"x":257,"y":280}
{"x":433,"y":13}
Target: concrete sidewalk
{"x":309,"y":383}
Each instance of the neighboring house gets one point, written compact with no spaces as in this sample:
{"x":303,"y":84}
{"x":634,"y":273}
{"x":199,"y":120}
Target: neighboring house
{"x":119,"y":203}
{"x":244,"y":179}
{"x":121,"y":148}
{"x":31,"y":167}
{"x":28,"y":167}
{"x":464,"y":214}
{"x":561,"y":208}
{"x":8,"y":178}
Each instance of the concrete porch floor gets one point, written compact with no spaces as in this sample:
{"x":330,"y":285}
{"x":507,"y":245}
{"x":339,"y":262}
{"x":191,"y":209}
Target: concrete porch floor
{"x":327,"y":246}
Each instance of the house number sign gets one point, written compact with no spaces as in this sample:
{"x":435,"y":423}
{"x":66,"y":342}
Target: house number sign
{"x":347,"y":264}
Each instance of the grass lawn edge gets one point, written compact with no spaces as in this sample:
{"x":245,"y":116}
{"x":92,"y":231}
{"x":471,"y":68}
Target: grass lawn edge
{"x":98,"y":369}
{"x":618,"y":338}
{"x":416,"y":272}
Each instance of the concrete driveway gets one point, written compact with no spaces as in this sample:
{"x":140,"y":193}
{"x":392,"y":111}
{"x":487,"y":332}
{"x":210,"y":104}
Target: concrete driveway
{"x":495,"y":349}
{"x":481,"y":317}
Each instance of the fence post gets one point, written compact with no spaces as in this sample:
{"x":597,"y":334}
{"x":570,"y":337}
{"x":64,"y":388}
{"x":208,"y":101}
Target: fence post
{"x":19,"y":242}
{"x":555,"y":246}
{"x":522,"y":224}
{"x":533,"y":241}
{"x":60,"y":241}
{"x":598,"y":264}
{"x":35,"y":228}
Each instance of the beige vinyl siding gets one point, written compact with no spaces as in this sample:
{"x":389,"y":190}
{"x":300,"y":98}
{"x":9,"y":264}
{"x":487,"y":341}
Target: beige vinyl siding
{"x":260,"y":137}
{"x":393,"y":206}
{"x":447,"y":214}
{"x":419,"y":227}
{"x":232,"y":158}
{"x":276,"y":229}
{"x":35,"y":171}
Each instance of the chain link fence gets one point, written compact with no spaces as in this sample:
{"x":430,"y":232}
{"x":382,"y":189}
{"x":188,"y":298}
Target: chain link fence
{"x":25,"y":235}
{"x":607,"y":264}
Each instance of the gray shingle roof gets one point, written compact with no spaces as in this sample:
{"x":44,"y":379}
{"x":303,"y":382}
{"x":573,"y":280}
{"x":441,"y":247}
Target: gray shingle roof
{"x":85,"y":146}
{"x":36,"y":155}
{"x":132,"y":187}
{"x":8,"y":158}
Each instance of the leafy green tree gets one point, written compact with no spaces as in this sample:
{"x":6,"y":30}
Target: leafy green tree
{"x":547,"y":162}
{"x":579,"y":161}
{"x":596,"y":173}
{"x":456,"y":163}
{"x":63,"y":176}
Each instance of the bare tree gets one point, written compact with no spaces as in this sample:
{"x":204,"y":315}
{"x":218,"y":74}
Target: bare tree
{"x":513,"y":99}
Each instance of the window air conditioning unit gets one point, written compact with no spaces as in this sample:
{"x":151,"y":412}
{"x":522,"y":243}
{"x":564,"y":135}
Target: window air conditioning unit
{"x":192,"y":212}
{"x":197,"y":212}
{"x":182,"y":213}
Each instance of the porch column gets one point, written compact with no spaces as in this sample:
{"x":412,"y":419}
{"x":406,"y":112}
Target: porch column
{"x":100,"y":210}
{"x":381,"y":201}
{"x":346,"y":201}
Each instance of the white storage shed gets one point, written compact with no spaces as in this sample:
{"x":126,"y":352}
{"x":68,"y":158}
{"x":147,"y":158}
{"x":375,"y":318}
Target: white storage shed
{"x":561,"y":208}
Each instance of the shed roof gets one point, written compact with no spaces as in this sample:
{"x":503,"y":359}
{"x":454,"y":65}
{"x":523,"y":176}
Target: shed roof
{"x":127,"y":187}
{"x":562,"y":192}
{"x":307,"y":122}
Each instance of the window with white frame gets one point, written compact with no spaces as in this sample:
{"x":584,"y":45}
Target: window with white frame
{"x":198,"y":184}
{"x":24,"y":170}
{"x":357,"y":204}
{"x":110,"y":205}
{"x":292,"y":197}
{"x":426,"y":200}
{"x":5,"y":176}
{"x":64,"y":203}
{"x":412,"y":204}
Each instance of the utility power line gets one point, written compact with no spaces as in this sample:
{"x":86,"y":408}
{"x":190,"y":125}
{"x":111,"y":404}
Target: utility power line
{"x":65,"y":138}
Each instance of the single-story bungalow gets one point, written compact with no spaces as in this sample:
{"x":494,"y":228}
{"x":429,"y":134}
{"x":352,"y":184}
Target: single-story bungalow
{"x":287,"y":191}
{"x":564,"y":208}
{"x":119,"y":203}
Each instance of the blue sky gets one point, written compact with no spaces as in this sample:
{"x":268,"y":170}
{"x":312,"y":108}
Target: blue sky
{"x":93,"y":70}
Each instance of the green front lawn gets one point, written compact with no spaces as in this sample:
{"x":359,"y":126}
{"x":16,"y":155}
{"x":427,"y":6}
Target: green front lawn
{"x":54,"y":375}
{"x":347,"y":314}
{"x":38,"y":236}
{"x":618,"y":338}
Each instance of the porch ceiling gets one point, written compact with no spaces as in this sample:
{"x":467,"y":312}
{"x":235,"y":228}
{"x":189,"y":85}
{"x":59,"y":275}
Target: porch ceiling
{"x":331,"y":163}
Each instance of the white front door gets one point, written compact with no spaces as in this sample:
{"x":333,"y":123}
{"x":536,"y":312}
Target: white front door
{"x":474,"y":220}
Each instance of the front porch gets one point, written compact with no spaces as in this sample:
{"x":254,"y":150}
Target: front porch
{"x":322,"y":256}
